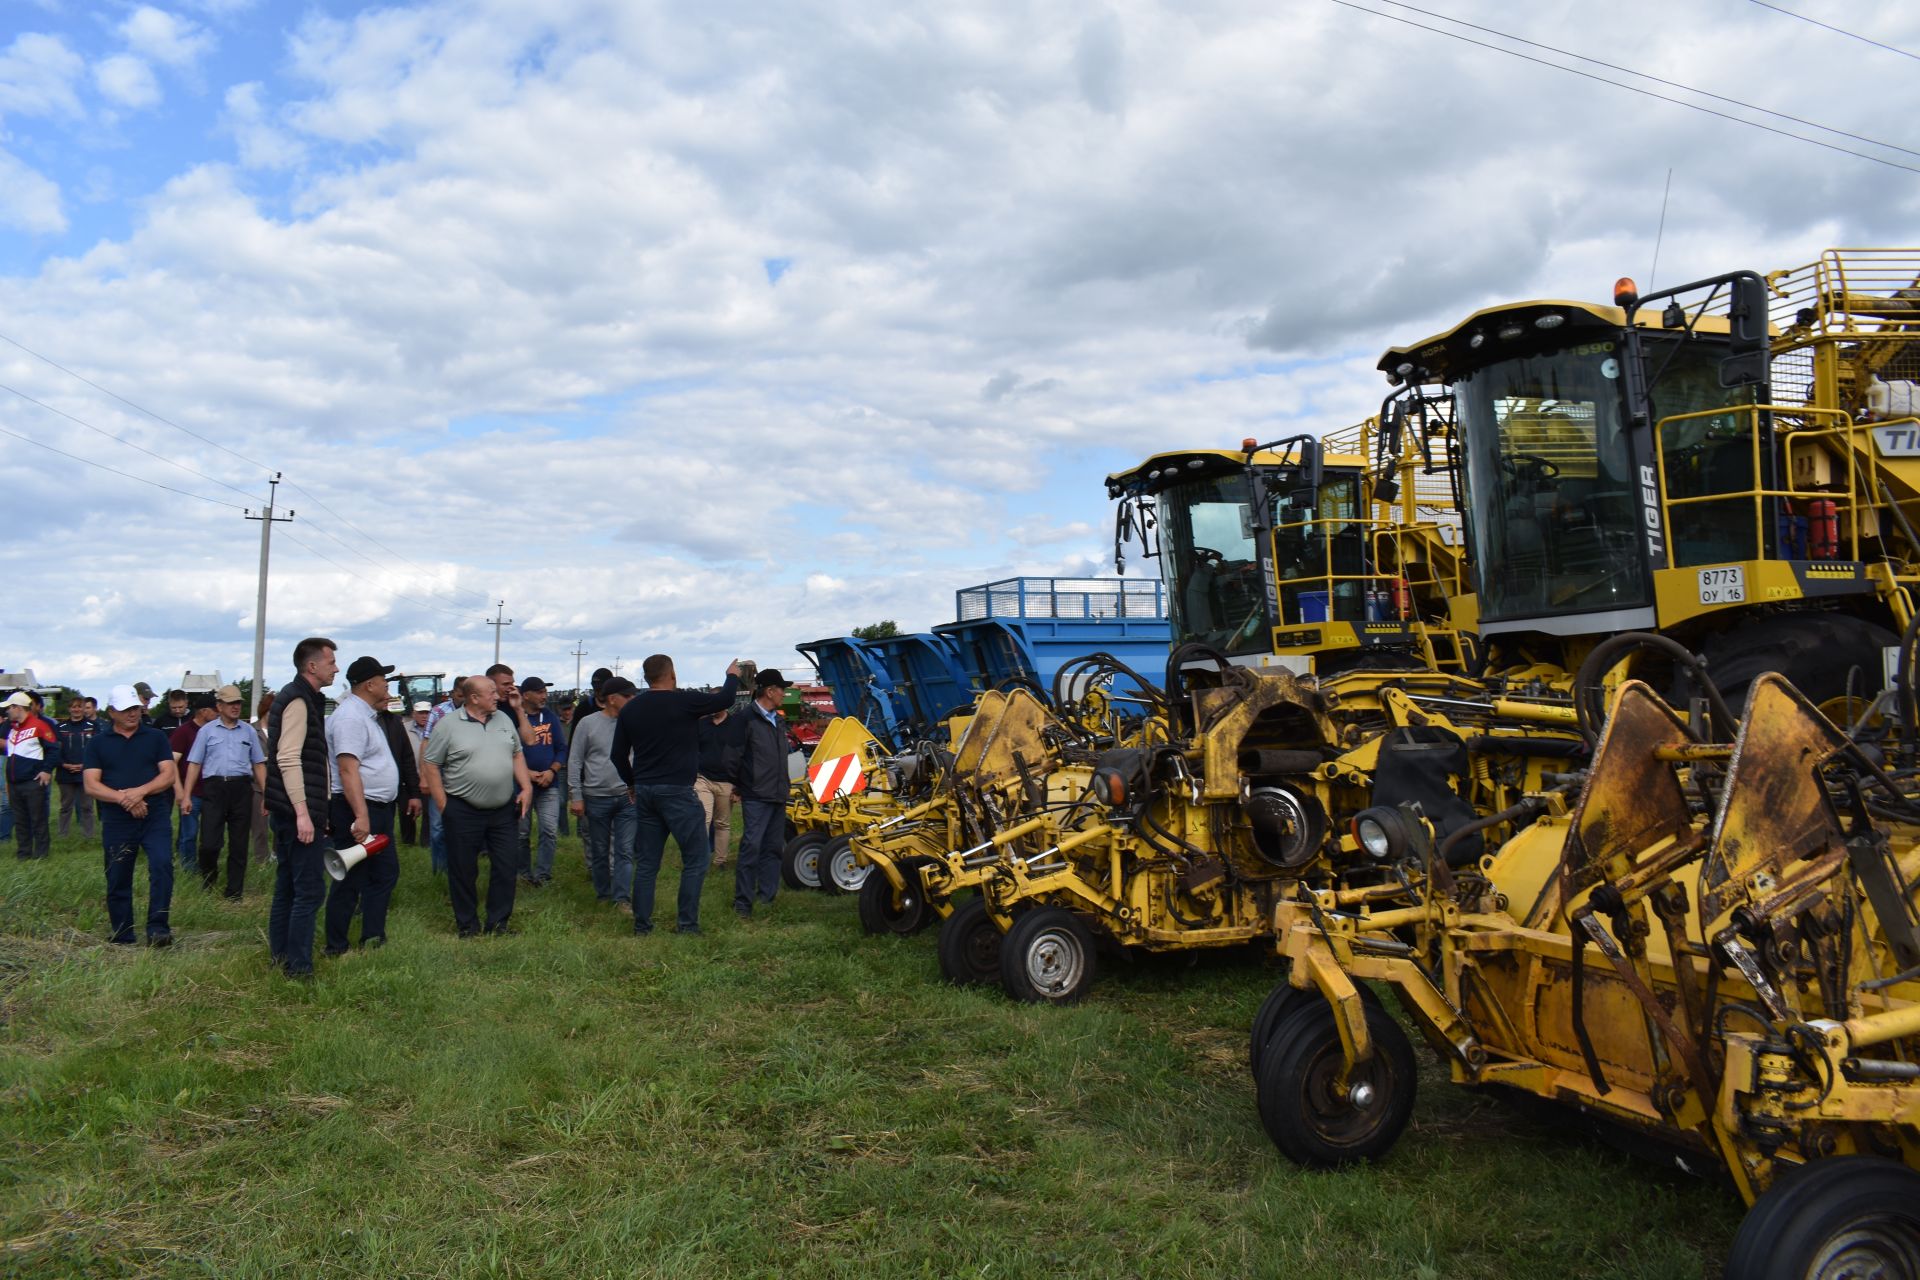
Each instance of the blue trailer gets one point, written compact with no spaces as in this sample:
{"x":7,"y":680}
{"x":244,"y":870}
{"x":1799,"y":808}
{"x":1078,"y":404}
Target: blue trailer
{"x":862,"y":685}
{"x":1026,"y":629}
{"x":1016,"y":630}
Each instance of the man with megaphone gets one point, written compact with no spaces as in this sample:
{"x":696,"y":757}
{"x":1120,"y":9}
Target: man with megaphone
{"x":364,"y":779}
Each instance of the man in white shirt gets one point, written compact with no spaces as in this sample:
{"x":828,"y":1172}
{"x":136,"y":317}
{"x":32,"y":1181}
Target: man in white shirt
{"x":364,"y":782}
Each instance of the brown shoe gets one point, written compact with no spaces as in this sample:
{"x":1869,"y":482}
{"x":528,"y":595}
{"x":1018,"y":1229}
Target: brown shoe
{"x":624,"y":908}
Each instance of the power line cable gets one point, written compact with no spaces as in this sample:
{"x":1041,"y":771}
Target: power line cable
{"x":161,"y":457}
{"x":1671,"y":84}
{"x":363,"y":533}
{"x":130,"y":404}
{"x":1851,"y":35}
{"x":166,"y":421}
{"x":358,"y":576}
{"x":218,"y":502}
{"x":378,"y":567}
{"x":1630,"y":88}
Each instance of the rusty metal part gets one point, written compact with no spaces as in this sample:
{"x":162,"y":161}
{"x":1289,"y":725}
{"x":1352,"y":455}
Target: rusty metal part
{"x":1775,"y":814}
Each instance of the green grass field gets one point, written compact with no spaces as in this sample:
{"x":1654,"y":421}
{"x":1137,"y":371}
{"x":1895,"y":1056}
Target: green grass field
{"x":784,"y":1097}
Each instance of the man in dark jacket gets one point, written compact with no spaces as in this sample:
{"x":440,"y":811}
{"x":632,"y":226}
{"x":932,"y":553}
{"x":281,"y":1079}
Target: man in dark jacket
{"x":656,"y":749}
{"x":760,"y":780}
{"x":297,"y":792}
{"x":76,"y":731}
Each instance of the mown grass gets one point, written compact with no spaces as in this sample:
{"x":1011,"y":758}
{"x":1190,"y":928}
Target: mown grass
{"x":783,"y":1097}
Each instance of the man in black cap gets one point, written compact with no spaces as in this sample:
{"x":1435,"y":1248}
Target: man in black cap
{"x":760,"y":780}
{"x":363,"y":786}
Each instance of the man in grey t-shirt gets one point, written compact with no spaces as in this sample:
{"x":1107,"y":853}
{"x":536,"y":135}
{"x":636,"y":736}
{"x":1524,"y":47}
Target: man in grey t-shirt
{"x":473,"y":770}
{"x":600,"y":796}
{"x":364,"y":782}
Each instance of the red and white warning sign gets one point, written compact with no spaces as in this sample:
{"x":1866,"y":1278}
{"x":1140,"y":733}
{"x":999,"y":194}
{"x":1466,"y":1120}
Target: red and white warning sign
{"x":840,"y":776}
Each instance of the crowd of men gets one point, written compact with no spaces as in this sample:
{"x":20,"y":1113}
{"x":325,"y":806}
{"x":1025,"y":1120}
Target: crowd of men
{"x":328,"y":798}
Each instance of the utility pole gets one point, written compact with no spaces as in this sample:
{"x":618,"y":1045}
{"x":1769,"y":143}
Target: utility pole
{"x":616,"y":666}
{"x":267,"y":520}
{"x":498,"y":621}
{"x":579,"y":652}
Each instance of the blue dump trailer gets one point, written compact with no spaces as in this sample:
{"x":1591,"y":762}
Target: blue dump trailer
{"x":1026,"y":629}
{"x":861,"y":683}
{"x":1011,"y":631}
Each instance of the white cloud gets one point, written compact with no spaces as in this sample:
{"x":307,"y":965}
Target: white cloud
{"x":262,"y":144}
{"x":38,"y":73}
{"x":126,"y":81}
{"x":29,"y":201}
{"x":455,"y":259}
{"x":161,"y":37}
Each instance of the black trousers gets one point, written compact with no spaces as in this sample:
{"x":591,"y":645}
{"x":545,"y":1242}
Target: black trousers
{"x":226,"y":809}
{"x":470,"y":833}
{"x":30,"y":815}
{"x":368,"y":886}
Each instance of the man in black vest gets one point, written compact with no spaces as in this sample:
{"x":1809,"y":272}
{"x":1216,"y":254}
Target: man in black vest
{"x":297,"y":788}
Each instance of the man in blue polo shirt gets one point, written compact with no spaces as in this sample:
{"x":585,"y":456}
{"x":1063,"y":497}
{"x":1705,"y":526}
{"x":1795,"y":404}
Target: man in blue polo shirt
{"x":226,"y":768}
{"x":130,"y":772}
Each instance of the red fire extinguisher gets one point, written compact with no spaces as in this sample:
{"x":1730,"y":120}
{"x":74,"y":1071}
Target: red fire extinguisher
{"x":1823,"y":529}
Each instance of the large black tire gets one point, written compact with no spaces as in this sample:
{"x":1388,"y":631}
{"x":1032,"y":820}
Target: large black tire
{"x":1307,"y":1119}
{"x":840,"y":870}
{"x":800,"y":861}
{"x":1824,"y":655}
{"x":1048,"y":957}
{"x":1280,"y":1002}
{"x":884,"y":911}
{"x":970,"y":945}
{"x":1841,"y":1217}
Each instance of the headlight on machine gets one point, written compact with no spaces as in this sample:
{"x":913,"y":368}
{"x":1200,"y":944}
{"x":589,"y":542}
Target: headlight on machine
{"x":1383,"y":832}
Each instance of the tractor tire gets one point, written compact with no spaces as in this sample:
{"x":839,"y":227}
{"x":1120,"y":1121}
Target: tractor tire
{"x":970,"y":945}
{"x":1834,"y":1218}
{"x":1311,"y":1123}
{"x":1048,"y":957}
{"x":1280,"y":1002}
{"x":840,"y":870}
{"x":882,"y":911}
{"x":1825,"y":656}
{"x":800,"y":861}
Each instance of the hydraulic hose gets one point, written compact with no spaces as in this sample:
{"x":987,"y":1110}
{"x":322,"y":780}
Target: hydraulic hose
{"x":1586,"y":685}
{"x":1903,"y":688}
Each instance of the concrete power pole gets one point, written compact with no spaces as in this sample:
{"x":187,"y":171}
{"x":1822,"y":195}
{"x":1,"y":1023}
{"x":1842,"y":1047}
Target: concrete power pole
{"x":579,"y":652}
{"x":498,"y":622}
{"x":267,"y":520}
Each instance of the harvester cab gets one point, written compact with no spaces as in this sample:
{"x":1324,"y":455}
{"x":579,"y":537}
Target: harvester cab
{"x":1283,"y":554}
{"x":1724,"y":462}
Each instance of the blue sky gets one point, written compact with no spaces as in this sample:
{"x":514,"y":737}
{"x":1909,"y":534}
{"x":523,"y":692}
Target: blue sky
{"x":710,"y":330}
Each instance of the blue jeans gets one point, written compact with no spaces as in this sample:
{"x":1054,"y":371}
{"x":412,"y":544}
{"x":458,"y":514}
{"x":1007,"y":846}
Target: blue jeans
{"x":299,"y":887}
{"x":123,"y":845}
{"x":186,"y":845}
{"x":436,"y":838}
{"x":658,"y":812}
{"x":608,"y":824}
{"x":546,"y":808}
{"x":763,"y":839}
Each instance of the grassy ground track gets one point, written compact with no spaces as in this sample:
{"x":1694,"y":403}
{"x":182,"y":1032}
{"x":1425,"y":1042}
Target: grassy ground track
{"x":782,"y":1097}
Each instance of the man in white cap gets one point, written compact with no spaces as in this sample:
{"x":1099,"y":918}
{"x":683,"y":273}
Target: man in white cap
{"x":130,"y":772}
{"x":33,"y":752}
{"x":226,"y":759}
